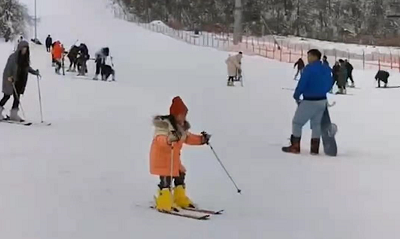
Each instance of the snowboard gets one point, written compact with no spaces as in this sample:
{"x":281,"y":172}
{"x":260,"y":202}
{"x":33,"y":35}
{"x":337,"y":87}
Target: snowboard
{"x":328,"y":131}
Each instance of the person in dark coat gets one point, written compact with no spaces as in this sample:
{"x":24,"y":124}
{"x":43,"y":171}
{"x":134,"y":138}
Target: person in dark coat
{"x":83,"y":57}
{"x":342,"y":77}
{"x":49,"y":43}
{"x":15,"y":77}
{"x":382,"y":76}
{"x":350,"y":69}
{"x":100,"y":60}
{"x":335,"y":72}
{"x":325,"y":61}
{"x":300,"y":66}
{"x":73,"y":58}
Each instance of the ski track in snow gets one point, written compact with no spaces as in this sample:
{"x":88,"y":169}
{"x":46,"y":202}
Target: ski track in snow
{"x":84,"y":176}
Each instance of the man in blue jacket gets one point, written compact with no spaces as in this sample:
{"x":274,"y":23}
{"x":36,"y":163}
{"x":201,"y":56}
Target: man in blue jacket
{"x":315,"y":82}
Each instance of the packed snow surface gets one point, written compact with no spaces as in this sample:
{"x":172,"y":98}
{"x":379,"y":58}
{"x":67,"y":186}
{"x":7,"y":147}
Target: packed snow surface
{"x":87,"y":175}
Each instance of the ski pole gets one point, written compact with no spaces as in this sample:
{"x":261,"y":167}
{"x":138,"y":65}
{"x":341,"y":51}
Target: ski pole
{"x":226,"y":171}
{"x":172,"y":166}
{"x":19,"y":100}
{"x":40,"y":100}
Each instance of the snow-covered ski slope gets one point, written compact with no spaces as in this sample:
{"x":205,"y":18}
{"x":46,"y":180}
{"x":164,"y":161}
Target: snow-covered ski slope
{"x":86,"y":176}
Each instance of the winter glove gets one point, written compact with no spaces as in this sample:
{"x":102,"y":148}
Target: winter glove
{"x":11,"y":79}
{"x":206,"y":137}
{"x":37,"y":72}
{"x":298,"y":102}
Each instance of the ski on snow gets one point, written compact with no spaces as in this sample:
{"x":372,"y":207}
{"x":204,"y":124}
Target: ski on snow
{"x":204,"y":211}
{"x":23,"y":123}
{"x":184,"y":214}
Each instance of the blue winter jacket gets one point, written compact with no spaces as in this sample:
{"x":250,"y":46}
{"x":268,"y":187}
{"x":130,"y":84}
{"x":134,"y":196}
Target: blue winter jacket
{"x":315,"y":82}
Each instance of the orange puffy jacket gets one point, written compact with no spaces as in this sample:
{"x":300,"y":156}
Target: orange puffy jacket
{"x":161,"y":150}
{"x":58,"y":51}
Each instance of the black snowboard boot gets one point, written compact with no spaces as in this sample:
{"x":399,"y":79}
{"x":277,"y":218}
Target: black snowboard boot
{"x":294,"y":148}
{"x":315,"y":146}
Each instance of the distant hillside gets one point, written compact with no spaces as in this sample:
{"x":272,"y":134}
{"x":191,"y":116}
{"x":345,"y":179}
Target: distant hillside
{"x":357,"y":21}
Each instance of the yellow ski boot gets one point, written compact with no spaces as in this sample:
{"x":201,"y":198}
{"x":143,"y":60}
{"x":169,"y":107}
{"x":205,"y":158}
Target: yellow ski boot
{"x":164,"y":200}
{"x":180,"y":198}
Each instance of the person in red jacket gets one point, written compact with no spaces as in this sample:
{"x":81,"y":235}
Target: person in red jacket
{"x":58,"y":51}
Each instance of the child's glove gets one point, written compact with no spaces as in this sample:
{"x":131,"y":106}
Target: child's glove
{"x":206,"y":137}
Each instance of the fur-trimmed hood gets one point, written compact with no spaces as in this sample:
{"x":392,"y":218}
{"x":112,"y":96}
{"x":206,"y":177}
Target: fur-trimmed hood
{"x":166,"y":125}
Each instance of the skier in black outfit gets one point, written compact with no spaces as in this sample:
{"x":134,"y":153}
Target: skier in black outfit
{"x":325,"y":61}
{"x":83,"y":57}
{"x":382,"y":76}
{"x":336,"y":71}
{"x":100,"y":59}
{"x":49,"y":43}
{"x":300,"y":66}
{"x":350,"y":69}
{"x":73,"y":58}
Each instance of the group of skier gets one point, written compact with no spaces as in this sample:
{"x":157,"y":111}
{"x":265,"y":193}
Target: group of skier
{"x":342,"y":72}
{"x":172,"y":131}
{"x":78,"y":57}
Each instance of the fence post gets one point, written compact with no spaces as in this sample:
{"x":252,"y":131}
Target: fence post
{"x":391,"y":61}
{"x":379,"y":63}
{"x":398,"y":59}
{"x":281,"y":54}
{"x":363,"y":59}
{"x":302,"y":51}
{"x":290,"y":56}
{"x":273,"y":56}
{"x":335,"y":54}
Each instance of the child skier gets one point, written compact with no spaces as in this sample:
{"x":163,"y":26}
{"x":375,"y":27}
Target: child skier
{"x":171,"y":132}
{"x":58,"y":54}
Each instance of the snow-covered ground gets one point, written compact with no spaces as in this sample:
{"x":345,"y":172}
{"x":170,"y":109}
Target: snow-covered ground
{"x":87,"y":175}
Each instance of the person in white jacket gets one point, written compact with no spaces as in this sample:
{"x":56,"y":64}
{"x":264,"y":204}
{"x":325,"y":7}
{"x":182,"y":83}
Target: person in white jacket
{"x":234,"y":67}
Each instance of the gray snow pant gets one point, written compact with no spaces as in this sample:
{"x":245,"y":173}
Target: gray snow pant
{"x":309,"y":110}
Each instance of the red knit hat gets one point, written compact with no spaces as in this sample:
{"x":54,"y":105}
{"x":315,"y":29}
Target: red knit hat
{"x":178,"y":107}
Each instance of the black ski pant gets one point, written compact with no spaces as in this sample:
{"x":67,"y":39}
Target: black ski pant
{"x":384,"y":80}
{"x":7,"y":97}
{"x":58,"y":65}
{"x":165,"y":181}
{"x":83,"y":66}
{"x":99,"y":66}
{"x":350,"y":76}
{"x":73,"y":62}
{"x":231,"y":78}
